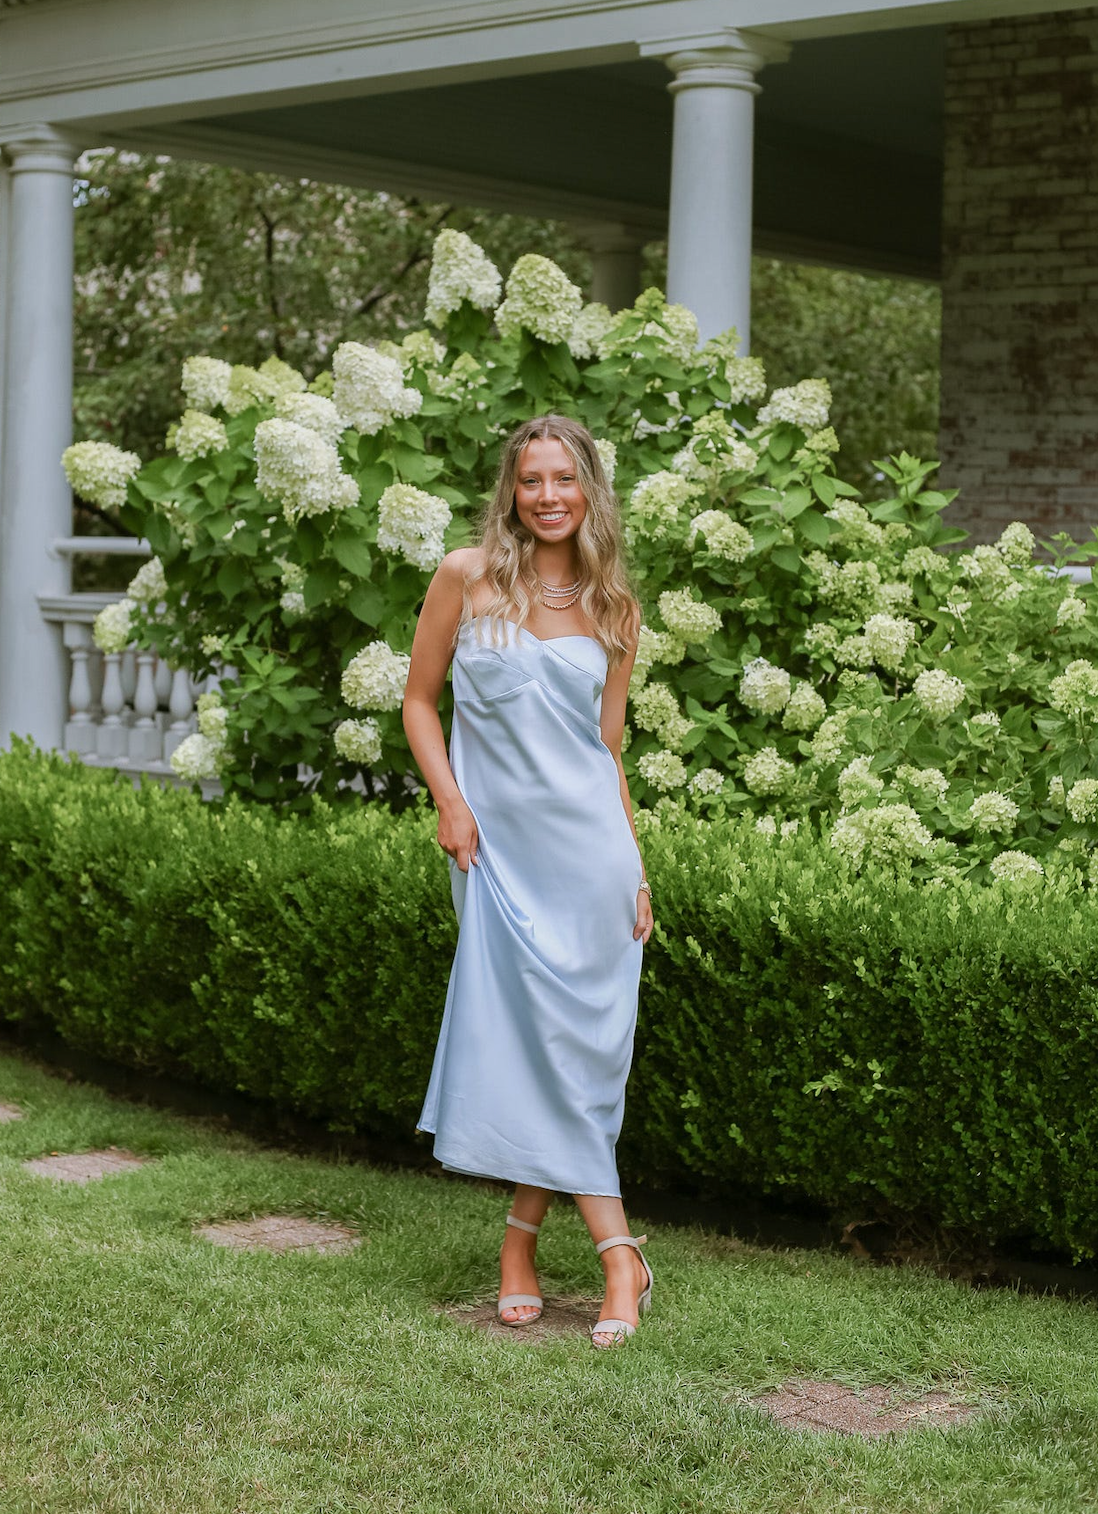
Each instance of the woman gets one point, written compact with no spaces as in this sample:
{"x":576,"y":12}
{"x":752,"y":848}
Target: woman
{"x":529,"y":1075}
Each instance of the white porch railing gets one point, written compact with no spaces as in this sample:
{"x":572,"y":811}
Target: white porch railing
{"x":125,"y":709}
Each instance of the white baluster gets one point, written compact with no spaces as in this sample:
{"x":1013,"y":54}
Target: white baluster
{"x":128,"y":672}
{"x":162,"y":682}
{"x":111,"y":738}
{"x":181,"y":709}
{"x":146,"y":743}
{"x":79,"y":733}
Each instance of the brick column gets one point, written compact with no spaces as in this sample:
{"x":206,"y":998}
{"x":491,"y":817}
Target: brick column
{"x":1019,"y":419}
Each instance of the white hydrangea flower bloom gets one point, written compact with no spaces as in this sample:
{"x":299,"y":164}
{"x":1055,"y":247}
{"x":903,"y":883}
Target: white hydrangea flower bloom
{"x":663,"y":770}
{"x":891,"y":833}
{"x":854,"y":652}
{"x":822,"y":443}
{"x":922,"y":560}
{"x":314,"y":412}
{"x":99,"y":472}
{"x":1014,"y":867}
{"x":993,"y":812}
{"x":411,"y":522}
{"x":358,"y":741}
{"x":1076,"y":689}
{"x":986,"y":718}
{"x":674,"y":327}
{"x":725,"y":538}
{"x":1071,"y":611}
{"x":929,"y":783}
{"x":206,"y":382}
{"x":540,"y":298}
{"x":767,"y":773}
{"x":1082,"y":800}
{"x":113,"y":626}
{"x":589,"y":329}
{"x":888,"y":638}
{"x":829,"y":742}
{"x":212,"y":646}
{"x":197,"y":757}
{"x":745,"y":376}
{"x":213,"y":719}
{"x":260,"y":386}
{"x":369,"y":390}
{"x":654,"y":705}
{"x":292,"y":601}
{"x":374,"y":678}
{"x":460,"y":270}
{"x":854,"y":588}
{"x":805,"y":709}
{"x":856,"y":530}
{"x":1056,"y":793}
{"x":686,"y":618}
{"x":148,"y":586}
{"x":300,"y":471}
{"x":419,"y":349}
{"x":713,"y":450}
{"x":939,"y":693}
{"x":857,"y":783}
{"x":1017,"y":543}
{"x":805,"y":405}
{"x":198,"y":434}
{"x":653,"y":647}
{"x":657,"y":502}
{"x":822,"y":639}
{"x":608,"y":457}
{"x":764,"y":687}
{"x":706,"y":781}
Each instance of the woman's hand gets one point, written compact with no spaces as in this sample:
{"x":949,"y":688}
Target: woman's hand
{"x":643,"y":928}
{"x":457,"y":833}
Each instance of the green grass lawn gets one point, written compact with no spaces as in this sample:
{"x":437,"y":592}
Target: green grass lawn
{"x":145,"y":1370}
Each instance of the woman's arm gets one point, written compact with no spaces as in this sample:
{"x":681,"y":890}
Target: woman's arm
{"x":612,"y":726}
{"x":432,"y":651}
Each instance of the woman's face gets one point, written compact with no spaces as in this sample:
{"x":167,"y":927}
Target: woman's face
{"x":548,"y":498}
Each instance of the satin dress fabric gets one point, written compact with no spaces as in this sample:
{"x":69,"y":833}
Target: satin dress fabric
{"x":528,"y":1083}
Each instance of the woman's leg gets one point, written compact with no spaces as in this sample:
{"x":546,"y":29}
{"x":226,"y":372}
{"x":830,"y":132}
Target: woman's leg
{"x":516,"y":1259}
{"x":622,"y":1267}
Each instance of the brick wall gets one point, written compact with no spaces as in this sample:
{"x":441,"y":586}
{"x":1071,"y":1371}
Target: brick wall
{"x":1019,"y":419}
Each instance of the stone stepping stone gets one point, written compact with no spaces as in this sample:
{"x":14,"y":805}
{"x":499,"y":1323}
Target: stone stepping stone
{"x":10,"y":1112}
{"x":85,"y":1166}
{"x":563,"y":1317}
{"x":280,"y":1232}
{"x":804,"y":1404}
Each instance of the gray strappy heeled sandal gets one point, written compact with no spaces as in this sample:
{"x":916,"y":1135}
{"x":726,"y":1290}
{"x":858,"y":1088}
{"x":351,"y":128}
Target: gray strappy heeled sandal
{"x":518,"y":1300}
{"x":619,"y":1329}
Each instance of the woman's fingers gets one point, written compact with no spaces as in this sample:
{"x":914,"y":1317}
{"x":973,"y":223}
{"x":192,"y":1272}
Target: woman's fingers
{"x":643,"y":928}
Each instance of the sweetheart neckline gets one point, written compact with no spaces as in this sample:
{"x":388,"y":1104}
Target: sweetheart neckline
{"x":545,"y":640}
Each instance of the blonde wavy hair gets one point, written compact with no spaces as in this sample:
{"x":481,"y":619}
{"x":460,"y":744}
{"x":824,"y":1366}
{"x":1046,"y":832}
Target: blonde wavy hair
{"x":606,"y":597}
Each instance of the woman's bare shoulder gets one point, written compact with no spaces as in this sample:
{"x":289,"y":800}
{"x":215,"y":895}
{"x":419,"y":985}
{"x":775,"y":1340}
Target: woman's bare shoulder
{"x":461,"y":565}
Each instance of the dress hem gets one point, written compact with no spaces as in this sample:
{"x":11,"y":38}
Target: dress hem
{"x":527,"y":1175}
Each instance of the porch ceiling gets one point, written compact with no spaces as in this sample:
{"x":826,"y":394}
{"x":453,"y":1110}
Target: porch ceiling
{"x":847,"y":162}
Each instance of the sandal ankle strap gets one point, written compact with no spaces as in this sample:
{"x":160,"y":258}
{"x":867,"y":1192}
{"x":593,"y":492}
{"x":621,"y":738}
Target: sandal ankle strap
{"x":636,"y":1241}
{"x":523,"y":1225}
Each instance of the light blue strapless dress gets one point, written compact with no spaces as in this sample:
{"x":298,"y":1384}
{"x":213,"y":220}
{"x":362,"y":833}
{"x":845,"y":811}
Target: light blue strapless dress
{"x":528,"y":1083}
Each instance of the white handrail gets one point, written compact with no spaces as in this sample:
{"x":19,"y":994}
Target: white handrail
{"x":107,"y":546}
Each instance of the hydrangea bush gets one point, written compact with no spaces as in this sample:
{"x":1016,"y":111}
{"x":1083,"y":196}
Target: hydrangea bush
{"x":806,"y":655}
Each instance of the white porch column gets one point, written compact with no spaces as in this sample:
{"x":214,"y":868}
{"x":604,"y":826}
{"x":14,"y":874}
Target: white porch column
{"x":5,"y":260}
{"x":35,"y":500}
{"x":615,"y":263}
{"x":709,"y":235}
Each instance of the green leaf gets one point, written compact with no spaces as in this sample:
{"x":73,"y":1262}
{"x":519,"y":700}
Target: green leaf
{"x":351,"y":552}
{"x":815,"y":527}
{"x":366,"y":603}
{"x":786,"y":558}
{"x":231,"y":577}
{"x":321,"y":583}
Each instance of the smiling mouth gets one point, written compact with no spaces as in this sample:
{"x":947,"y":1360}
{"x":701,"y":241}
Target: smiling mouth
{"x":550,"y":516}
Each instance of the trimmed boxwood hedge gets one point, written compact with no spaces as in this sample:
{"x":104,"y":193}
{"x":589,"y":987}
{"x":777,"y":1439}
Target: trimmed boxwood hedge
{"x":862,"y":1040}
